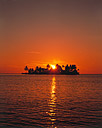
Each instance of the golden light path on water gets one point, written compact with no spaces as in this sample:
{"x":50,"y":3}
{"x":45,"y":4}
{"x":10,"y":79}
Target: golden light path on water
{"x":52,"y":103}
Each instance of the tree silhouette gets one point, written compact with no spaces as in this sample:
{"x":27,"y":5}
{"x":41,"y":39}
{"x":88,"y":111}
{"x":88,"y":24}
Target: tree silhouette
{"x":48,"y":66}
{"x":26,"y":68}
{"x":62,"y":66}
{"x":59,"y":68}
{"x":68,"y":70}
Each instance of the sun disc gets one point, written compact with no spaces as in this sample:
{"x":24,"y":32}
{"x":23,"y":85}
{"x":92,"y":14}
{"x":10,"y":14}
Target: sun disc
{"x":53,"y":66}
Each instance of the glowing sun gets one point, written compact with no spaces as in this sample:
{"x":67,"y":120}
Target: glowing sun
{"x":53,"y":66}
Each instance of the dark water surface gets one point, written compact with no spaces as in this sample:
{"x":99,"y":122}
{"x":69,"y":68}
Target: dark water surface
{"x":30,"y":101}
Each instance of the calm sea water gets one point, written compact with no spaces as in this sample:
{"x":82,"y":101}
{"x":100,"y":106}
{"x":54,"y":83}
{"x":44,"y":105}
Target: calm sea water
{"x":54,"y":101}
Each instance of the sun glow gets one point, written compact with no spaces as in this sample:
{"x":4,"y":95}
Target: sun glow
{"x":53,"y":66}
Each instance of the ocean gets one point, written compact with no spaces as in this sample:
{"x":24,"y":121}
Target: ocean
{"x":50,"y":101}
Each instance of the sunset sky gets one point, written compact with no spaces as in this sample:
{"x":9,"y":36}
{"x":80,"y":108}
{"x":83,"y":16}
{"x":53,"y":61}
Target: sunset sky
{"x":38,"y":32}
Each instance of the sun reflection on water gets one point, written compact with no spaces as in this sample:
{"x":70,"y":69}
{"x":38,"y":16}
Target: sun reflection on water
{"x":52,"y":103}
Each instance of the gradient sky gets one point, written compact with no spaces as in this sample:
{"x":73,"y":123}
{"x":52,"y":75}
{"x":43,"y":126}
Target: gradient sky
{"x":38,"y":32}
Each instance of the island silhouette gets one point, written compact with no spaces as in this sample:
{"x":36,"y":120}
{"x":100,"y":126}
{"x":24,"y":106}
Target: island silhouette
{"x":52,"y":69}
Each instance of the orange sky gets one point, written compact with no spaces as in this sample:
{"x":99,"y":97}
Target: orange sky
{"x":56,"y":31}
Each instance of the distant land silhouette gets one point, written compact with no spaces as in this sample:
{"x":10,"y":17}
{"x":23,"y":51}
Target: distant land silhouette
{"x":63,"y":70}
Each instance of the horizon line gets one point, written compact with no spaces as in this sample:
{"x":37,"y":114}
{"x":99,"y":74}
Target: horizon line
{"x":55,"y":74}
